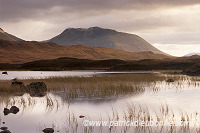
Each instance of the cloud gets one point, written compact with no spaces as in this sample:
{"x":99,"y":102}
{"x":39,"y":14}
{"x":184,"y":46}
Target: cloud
{"x":18,"y":9}
{"x":158,"y":21}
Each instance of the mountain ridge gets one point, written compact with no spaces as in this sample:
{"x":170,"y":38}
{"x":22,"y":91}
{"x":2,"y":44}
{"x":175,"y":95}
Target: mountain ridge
{"x":100,"y":37}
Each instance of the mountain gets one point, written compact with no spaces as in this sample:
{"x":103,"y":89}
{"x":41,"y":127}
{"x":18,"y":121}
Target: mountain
{"x":192,"y":54}
{"x":99,"y":37}
{"x":16,"y":52}
{"x":8,"y":37}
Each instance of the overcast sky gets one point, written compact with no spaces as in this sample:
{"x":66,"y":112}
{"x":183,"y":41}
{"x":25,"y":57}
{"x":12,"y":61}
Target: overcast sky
{"x":171,"y":25}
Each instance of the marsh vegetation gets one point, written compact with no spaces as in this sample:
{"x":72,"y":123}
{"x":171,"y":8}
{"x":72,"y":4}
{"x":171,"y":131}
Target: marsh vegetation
{"x":105,"y":97}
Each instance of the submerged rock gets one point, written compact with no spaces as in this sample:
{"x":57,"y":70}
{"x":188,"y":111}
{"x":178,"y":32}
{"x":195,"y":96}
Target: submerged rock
{"x":5,"y":131}
{"x":4,"y":128}
{"x":48,"y":130}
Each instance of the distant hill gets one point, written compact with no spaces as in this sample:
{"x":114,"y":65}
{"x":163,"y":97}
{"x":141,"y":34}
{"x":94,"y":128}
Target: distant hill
{"x":8,"y":37}
{"x":66,"y":63}
{"x":99,"y":37}
{"x":184,"y":65}
{"x":20,"y":52}
{"x":193,"y":54}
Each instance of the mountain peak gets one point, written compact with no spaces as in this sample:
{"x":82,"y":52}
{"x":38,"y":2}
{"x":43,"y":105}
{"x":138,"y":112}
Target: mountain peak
{"x":91,"y":29}
{"x":102,"y":37}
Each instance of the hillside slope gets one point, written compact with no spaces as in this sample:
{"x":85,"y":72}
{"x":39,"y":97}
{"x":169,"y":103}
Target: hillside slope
{"x":20,"y":52}
{"x":8,"y":37}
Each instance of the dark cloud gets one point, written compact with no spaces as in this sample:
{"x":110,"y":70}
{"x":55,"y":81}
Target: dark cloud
{"x":15,"y":10}
{"x":157,"y":21}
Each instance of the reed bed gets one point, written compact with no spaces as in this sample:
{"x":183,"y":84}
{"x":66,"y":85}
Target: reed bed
{"x":103,"y":86}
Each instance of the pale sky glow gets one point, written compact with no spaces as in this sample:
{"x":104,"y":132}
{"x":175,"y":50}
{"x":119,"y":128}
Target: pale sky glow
{"x":160,"y":22}
{"x":179,"y":49}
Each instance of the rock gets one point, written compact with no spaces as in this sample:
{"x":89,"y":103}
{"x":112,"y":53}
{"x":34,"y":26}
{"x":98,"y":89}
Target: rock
{"x":37,"y":89}
{"x":38,"y":86}
{"x":14,"y":109}
{"x":4,"y":128}
{"x":5,"y":73}
{"x":81,"y":116}
{"x":169,"y":80}
{"x":37,"y":94}
{"x":48,"y":130}
{"x":5,"y":131}
{"x":6,"y":111}
{"x":17,"y":84}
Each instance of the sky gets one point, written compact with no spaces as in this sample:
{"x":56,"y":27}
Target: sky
{"x":172,"y":26}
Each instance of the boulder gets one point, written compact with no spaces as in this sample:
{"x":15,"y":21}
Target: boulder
{"x":14,"y":109}
{"x":37,"y":86}
{"x":37,"y":94}
{"x":48,"y":130}
{"x":6,"y":111}
{"x":37,"y":89}
{"x":5,"y":73}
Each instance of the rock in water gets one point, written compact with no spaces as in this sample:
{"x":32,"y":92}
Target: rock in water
{"x":6,"y":111}
{"x":81,"y":116}
{"x":5,"y":131}
{"x":37,"y":89}
{"x":14,"y":109}
{"x":48,"y":130}
{"x":37,"y":86}
{"x":5,"y":73}
{"x":4,"y":128}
